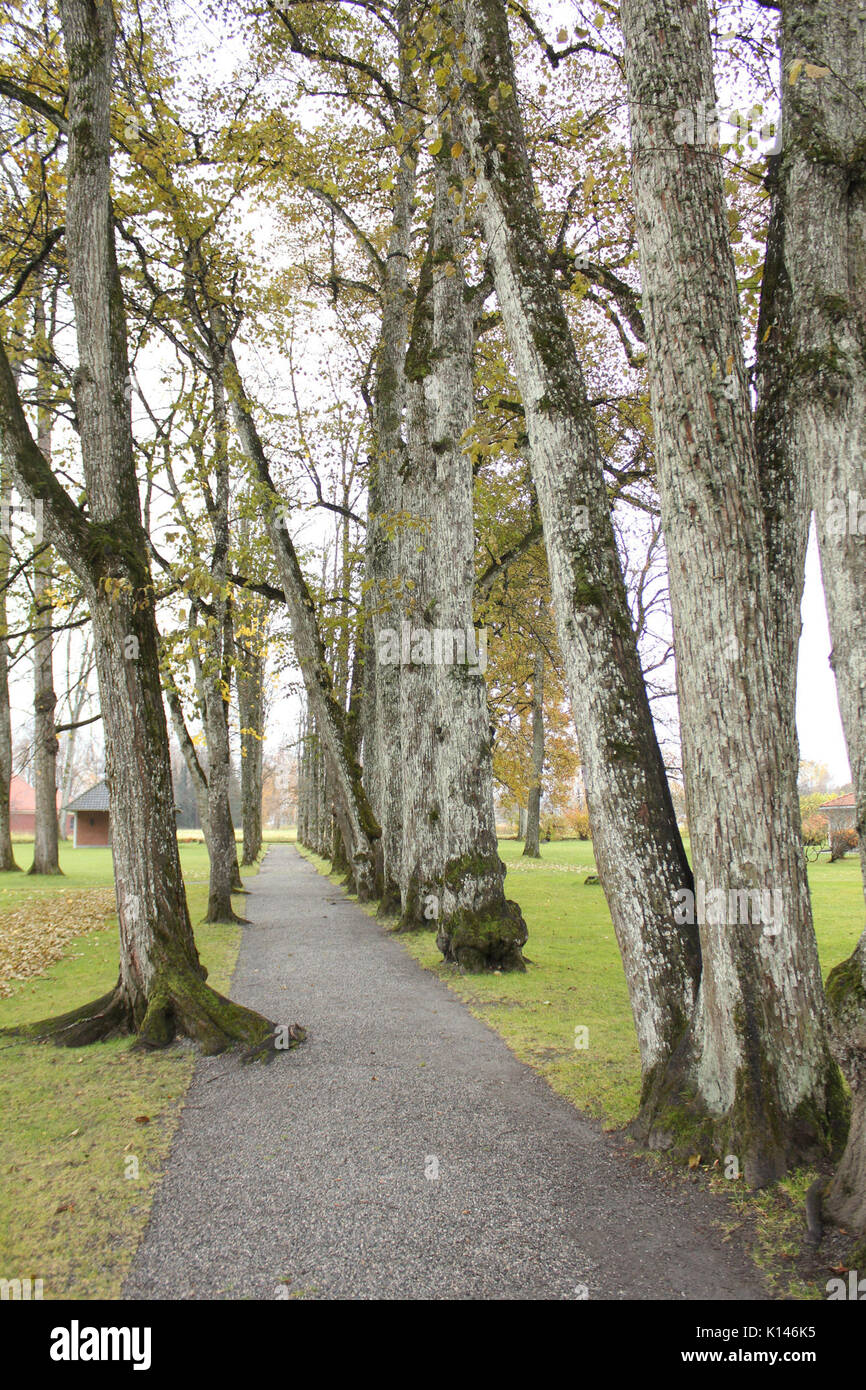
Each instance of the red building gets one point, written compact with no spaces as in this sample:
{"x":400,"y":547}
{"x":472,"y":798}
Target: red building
{"x":22,"y":807}
{"x":90,"y":815}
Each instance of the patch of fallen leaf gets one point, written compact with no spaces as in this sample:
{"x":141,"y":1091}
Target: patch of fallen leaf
{"x":32,"y":937}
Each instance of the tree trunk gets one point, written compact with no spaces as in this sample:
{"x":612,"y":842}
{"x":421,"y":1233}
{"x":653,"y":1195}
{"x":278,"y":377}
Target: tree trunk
{"x":756,"y":1075}
{"x":383,"y":752}
{"x":823,"y":59}
{"x":303,"y":781}
{"x":531,"y":847}
{"x":46,"y":858}
{"x":251,"y":711}
{"x":161,"y":991}
{"x":7,"y":857}
{"x":214,"y":678}
{"x":638,"y":847}
{"x":456,"y":876}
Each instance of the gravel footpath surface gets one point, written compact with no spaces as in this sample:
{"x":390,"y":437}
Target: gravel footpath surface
{"x":314,"y":1176}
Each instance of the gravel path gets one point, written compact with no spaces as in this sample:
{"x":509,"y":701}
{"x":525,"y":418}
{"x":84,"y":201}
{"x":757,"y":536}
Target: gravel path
{"x":308,"y":1177}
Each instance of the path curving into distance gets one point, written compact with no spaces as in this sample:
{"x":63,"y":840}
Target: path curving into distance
{"x":306,"y":1177}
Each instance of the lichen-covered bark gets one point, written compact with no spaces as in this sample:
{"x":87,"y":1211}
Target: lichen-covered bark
{"x":820,"y":176}
{"x":531,"y":848}
{"x":212,"y":659}
{"x":781,"y":477}
{"x":845,"y":1197}
{"x":452,"y":874}
{"x":385,"y":537}
{"x":758,"y":1061}
{"x":638,"y":847}
{"x":7,"y":856}
{"x":46,"y":859}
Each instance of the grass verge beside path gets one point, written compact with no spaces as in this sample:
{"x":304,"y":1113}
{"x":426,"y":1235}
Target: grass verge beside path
{"x":86,"y":1131}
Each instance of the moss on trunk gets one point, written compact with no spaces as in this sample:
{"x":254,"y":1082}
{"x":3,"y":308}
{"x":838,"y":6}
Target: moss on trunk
{"x":178,"y":1005}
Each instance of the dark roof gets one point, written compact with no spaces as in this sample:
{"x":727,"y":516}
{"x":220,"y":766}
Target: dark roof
{"x":94,"y":799}
{"x":840,"y":801}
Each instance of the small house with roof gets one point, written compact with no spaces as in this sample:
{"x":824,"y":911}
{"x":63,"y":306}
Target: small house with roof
{"x":841,"y":813}
{"x":89,"y":811}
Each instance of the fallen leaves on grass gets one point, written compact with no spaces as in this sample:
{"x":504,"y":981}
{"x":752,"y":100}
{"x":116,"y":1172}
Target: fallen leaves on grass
{"x":34,"y":936}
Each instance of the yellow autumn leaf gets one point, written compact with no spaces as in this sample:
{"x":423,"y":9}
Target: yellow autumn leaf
{"x":562,"y":36}
{"x":796,"y":69}
{"x":813,"y":70}
{"x":694,"y":1160}
{"x":456,"y":150}
{"x":436,"y":147}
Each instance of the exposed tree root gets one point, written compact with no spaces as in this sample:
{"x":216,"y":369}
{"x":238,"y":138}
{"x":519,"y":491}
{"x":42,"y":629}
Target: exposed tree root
{"x":180,"y":1005}
{"x":220,"y":911}
{"x":478,"y":943}
{"x":764,"y":1142}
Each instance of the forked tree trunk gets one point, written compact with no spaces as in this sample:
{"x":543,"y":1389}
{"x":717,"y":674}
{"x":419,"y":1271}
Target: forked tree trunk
{"x":638,"y":848}
{"x":161,"y":991}
{"x":531,"y":847}
{"x":756,"y":1077}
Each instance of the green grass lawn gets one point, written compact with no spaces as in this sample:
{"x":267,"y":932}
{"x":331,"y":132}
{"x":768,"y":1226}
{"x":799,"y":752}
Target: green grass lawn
{"x":91,"y":1127}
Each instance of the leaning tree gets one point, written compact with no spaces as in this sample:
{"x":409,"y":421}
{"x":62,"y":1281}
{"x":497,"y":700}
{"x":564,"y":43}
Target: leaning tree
{"x":161,"y":990}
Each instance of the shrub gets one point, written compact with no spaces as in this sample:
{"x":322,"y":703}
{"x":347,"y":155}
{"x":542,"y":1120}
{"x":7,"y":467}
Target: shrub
{"x":815,"y":830}
{"x":576,"y":822}
{"x":841,"y":841}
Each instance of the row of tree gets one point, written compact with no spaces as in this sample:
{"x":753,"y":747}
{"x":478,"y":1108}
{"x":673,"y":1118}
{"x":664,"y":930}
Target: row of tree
{"x":479,"y":250}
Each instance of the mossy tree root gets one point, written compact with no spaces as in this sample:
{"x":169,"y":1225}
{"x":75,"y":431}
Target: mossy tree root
{"x":845,"y":1198}
{"x":179,"y":1005}
{"x":478,"y":943}
{"x":765,"y":1143}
